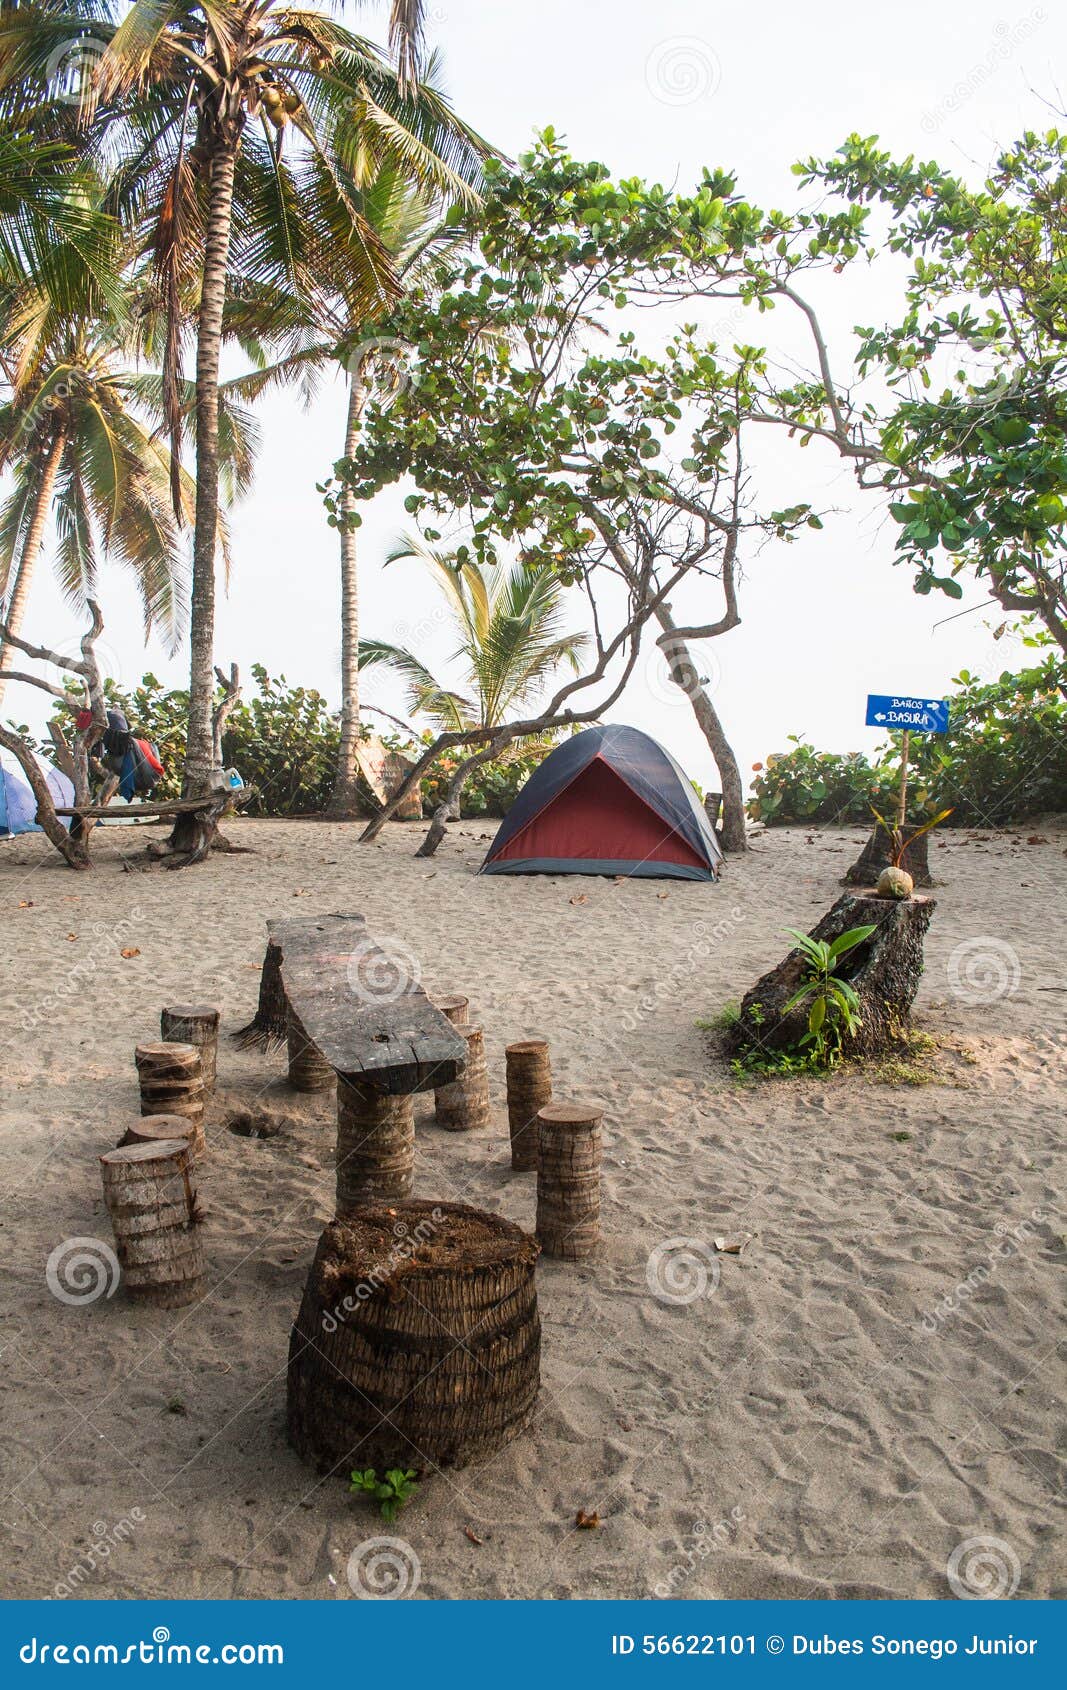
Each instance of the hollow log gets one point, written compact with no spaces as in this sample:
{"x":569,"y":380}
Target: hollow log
{"x":418,"y":1340}
{"x":463,"y":1105}
{"x":195,"y":1024}
{"x":877,"y":854}
{"x":375,"y":1146}
{"x":170,"y":1079}
{"x":529,"y":1082}
{"x":455,"y":1009}
{"x":568,"y":1179}
{"x":154,"y":1129}
{"x":150,"y":1192}
{"x":884,"y":972}
{"x":308,"y":1068}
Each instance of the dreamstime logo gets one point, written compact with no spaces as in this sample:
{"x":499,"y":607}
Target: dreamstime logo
{"x":983,"y":970}
{"x":677,"y":671}
{"x":381,"y":365}
{"x":682,"y":70}
{"x":682,"y":1270}
{"x":71,"y":67}
{"x":1009,"y":1242}
{"x":82,"y":1270}
{"x":384,"y":972}
{"x":983,"y":1569}
{"x":105,"y":1538}
{"x":1007,"y":37}
{"x":406,"y":1241}
{"x":108,"y":941}
{"x":383,"y":1569}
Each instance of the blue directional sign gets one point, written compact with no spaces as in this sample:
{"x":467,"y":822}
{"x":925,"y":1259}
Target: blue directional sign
{"x":918,"y":715}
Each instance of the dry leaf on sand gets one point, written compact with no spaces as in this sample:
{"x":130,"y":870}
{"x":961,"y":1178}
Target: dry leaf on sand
{"x":733,"y":1246}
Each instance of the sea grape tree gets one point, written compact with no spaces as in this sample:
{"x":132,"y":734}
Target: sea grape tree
{"x":550,"y":409}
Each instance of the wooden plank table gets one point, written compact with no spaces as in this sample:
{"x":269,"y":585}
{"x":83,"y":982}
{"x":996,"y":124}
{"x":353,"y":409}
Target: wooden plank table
{"x":358,"y":1004}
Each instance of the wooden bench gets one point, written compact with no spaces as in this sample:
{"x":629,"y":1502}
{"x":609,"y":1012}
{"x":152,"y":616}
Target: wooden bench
{"x":197,"y":819}
{"x":371,"y":1024}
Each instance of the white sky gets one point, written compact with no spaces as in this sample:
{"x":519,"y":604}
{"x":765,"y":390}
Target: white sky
{"x":659,"y":90}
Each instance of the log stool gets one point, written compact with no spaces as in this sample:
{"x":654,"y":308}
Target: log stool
{"x":375,"y":1146}
{"x":568,"y":1179}
{"x":194,"y":1024}
{"x":170,"y":1080}
{"x":529,"y":1077}
{"x":418,"y":1340}
{"x":150,"y":1192}
{"x":455,"y":1009}
{"x":308,"y":1068}
{"x":154,"y":1129}
{"x":463,"y":1105}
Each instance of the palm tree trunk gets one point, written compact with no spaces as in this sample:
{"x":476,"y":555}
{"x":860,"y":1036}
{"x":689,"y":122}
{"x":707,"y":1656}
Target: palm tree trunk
{"x":344,"y":799}
{"x":200,"y":773}
{"x":20,"y":592}
{"x":684,"y":675}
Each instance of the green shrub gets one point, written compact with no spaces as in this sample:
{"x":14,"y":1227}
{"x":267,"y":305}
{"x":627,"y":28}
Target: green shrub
{"x":284,"y":741}
{"x":1003,"y":758}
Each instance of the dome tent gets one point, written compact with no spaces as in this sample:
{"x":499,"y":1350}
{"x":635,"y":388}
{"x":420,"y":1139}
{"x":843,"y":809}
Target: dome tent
{"x":609,"y":801}
{"x":18,"y":806}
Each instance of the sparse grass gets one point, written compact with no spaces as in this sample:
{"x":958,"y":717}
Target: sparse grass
{"x":728,"y":1017}
{"x":920,"y":1059}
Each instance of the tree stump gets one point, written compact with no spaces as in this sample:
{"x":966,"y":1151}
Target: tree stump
{"x":375,"y":1146}
{"x":269,"y":1026}
{"x":195,"y":1024}
{"x":418,"y":1340}
{"x":568,"y":1179}
{"x":455,"y":1009}
{"x":308,"y":1068}
{"x":463,"y":1105}
{"x":529,"y":1079}
{"x":877,"y":854}
{"x":154,"y":1129}
{"x":170,"y":1080}
{"x":884,"y":972}
{"x":150,"y":1193}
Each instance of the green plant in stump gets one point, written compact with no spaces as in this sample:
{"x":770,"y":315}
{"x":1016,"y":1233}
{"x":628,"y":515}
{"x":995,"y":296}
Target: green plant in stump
{"x":833,"y":1006}
{"x":895,"y":881}
{"x":391,"y":1493}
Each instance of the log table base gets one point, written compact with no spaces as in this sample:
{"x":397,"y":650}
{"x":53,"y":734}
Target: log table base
{"x":529,"y":1078}
{"x":308,"y":1068}
{"x":375,"y":1146}
{"x":418,"y":1340}
{"x":463,"y":1105}
{"x":568,"y":1179}
{"x":150,"y":1192}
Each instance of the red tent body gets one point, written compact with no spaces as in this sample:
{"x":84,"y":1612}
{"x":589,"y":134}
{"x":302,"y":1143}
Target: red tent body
{"x":608,"y":801}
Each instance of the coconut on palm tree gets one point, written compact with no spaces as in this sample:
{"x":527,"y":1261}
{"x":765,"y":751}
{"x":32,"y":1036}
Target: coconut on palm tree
{"x":509,"y":619}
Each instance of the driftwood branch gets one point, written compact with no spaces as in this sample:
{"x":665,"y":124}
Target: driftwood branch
{"x":231,"y":685}
{"x":555,"y":714}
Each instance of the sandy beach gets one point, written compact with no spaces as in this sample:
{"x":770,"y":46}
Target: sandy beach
{"x":873,"y":1382}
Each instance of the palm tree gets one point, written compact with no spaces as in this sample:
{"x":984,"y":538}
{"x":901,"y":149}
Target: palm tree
{"x":192,"y":101}
{"x":509,"y":620}
{"x":409,"y":224}
{"x":82,"y":457}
